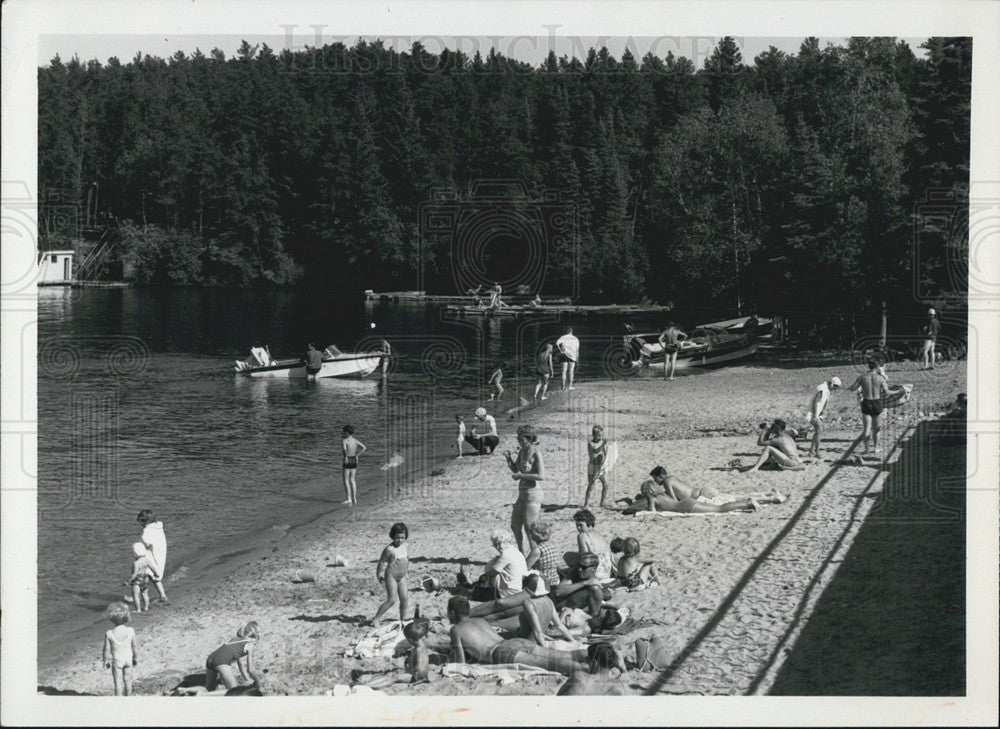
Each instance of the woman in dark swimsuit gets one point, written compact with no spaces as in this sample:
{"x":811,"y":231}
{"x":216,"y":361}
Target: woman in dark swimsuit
{"x":527,"y":469}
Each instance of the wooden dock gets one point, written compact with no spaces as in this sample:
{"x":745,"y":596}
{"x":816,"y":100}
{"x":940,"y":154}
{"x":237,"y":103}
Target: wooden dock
{"x":470,"y":301}
{"x":558,"y":310}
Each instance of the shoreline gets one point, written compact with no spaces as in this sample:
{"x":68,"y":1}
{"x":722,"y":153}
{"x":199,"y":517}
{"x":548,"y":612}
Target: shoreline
{"x":451,"y":513}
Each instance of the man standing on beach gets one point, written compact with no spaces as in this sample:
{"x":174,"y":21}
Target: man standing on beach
{"x":816,"y":407}
{"x":873,"y":389}
{"x":670,"y":341}
{"x":930,"y":338}
{"x":484,"y":442}
{"x":569,"y":348}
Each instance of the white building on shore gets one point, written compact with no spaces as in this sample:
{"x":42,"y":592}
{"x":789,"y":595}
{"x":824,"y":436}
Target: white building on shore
{"x":55,"y":267}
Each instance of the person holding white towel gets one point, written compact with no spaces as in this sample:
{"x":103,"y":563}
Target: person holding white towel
{"x":156,"y":542}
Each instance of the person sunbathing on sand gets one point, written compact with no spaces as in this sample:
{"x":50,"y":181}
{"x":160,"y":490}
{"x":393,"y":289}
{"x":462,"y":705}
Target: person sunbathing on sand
{"x":673,"y":487}
{"x":528,"y":614}
{"x":779,"y":448}
{"x":652,"y":499}
{"x":603,"y":677}
{"x":476,"y":639}
{"x":417,"y":668}
{"x":581,"y":588}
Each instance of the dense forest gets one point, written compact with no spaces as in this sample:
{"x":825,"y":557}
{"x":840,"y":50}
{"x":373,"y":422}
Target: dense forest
{"x":792,"y":183}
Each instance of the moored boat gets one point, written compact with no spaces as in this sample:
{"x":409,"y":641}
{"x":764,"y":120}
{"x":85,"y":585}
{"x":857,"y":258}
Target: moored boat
{"x":717,"y":343}
{"x":335,"y":364}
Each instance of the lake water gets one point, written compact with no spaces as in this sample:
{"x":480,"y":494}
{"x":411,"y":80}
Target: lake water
{"x":138,"y":407}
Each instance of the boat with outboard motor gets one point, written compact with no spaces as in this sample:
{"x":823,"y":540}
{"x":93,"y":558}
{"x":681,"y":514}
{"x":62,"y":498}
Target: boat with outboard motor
{"x":716,"y":343}
{"x":335,"y":364}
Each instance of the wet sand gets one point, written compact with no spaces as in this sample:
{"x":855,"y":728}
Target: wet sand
{"x":745,"y":600}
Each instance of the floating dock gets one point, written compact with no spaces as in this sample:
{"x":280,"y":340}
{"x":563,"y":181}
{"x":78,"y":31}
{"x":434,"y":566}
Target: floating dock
{"x":558,"y":310}
{"x":470,"y":301}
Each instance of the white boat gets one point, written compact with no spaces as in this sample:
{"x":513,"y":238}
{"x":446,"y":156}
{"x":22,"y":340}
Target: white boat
{"x":709,"y":344}
{"x":335,"y":364}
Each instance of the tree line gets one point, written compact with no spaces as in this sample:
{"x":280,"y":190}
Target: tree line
{"x":800,"y":182}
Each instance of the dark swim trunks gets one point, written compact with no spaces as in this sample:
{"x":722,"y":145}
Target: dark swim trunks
{"x":871,"y":407}
{"x":506,"y":651}
{"x":671,"y":348}
{"x":313,"y":370}
{"x":350,"y":461}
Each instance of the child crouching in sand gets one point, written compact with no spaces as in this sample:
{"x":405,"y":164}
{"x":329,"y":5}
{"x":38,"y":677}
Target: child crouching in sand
{"x":220,"y":661}
{"x":392,"y":568}
{"x":142,"y":571}
{"x":632,"y":571}
{"x":120,"y":652}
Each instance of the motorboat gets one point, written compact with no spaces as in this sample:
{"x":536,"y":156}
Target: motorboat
{"x":335,"y":364}
{"x":716,"y":343}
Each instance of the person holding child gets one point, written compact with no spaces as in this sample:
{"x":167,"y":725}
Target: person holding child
{"x":120,"y":652}
{"x":220,"y":661}
{"x":589,"y":540}
{"x":391,"y":570}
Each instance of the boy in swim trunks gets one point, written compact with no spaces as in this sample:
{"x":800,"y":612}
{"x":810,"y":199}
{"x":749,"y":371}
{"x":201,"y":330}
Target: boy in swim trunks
{"x":543,"y":368}
{"x":670,"y":341}
{"x":142,"y":571}
{"x":873,"y":389}
{"x":352,"y":449}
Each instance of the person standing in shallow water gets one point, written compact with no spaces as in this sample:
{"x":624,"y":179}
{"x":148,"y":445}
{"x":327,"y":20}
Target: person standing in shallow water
{"x":527,"y":469}
{"x":352,"y":449}
{"x":314,"y":361}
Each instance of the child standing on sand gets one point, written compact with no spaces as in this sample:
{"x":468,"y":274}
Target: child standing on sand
{"x":496,"y":379}
{"x":142,"y":571}
{"x":461,"y":432}
{"x":352,"y":449}
{"x":220,"y":661}
{"x":120,"y":652}
{"x":391,"y":569}
{"x":597,"y":453}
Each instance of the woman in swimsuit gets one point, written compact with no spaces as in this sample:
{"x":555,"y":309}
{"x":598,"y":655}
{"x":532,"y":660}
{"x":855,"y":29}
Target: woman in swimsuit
{"x":120,"y":649}
{"x":352,"y":449}
{"x":597,"y":453}
{"x":391,"y":569}
{"x":220,"y":661}
{"x":527,"y":469}
{"x":588,"y":540}
{"x":496,"y":381}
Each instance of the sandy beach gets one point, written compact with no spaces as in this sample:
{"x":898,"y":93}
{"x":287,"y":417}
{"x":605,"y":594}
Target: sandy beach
{"x":745,"y":599}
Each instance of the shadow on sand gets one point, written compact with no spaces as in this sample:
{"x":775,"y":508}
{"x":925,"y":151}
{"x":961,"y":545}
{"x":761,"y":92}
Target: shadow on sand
{"x":892,"y":620}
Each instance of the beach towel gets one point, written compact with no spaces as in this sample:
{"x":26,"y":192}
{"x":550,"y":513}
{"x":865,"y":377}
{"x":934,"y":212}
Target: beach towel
{"x":384,"y":641}
{"x":505,"y":672}
{"x":677,"y":513}
{"x":566,"y":645}
{"x":342,"y":689}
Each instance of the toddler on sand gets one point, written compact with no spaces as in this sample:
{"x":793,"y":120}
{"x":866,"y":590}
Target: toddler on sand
{"x":120,"y":654}
{"x":461,"y":432}
{"x":391,"y":569}
{"x":142,"y":571}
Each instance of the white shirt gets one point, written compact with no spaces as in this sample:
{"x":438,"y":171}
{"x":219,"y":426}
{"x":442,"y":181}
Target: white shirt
{"x":824,"y":394}
{"x":491,"y":426}
{"x":154,"y":538}
{"x":569,"y":346}
{"x":512,"y":568}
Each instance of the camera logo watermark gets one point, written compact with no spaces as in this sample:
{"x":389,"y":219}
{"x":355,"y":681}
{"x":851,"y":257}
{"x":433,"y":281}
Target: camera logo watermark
{"x":502,"y":235}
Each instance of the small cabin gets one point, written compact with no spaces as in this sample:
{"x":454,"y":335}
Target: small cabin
{"x":55,"y":267}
